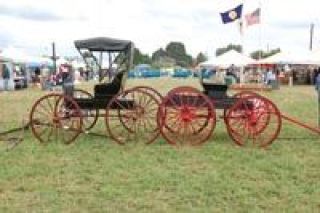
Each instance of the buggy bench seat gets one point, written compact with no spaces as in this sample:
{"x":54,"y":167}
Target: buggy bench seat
{"x":107,"y":90}
{"x":215,"y":90}
{"x":217,"y":93}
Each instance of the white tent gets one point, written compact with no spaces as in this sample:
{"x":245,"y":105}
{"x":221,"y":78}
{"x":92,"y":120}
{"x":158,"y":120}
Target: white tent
{"x":292,"y":58}
{"x":39,"y":59}
{"x":18,"y":55}
{"x":315,"y":57}
{"x":15,"y":54}
{"x":5,"y":59}
{"x":229,"y":58}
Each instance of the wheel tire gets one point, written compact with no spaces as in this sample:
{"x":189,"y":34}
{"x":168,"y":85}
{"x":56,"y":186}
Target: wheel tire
{"x":253,"y":119}
{"x":239,"y":95}
{"x":56,"y":117}
{"x":131,"y":117}
{"x":186,"y":117}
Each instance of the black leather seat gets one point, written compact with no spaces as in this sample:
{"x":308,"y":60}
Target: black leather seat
{"x":109,"y":89}
{"x":217,"y":91}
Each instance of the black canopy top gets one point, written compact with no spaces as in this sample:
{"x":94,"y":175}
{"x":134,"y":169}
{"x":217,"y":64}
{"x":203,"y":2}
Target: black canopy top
{"x":103,"y":44}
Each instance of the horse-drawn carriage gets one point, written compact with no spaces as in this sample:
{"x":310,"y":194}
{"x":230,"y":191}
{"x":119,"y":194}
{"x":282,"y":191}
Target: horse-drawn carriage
{"x":184,"y":115}
{"x":189,"y":116}
{"x":129,"y":114}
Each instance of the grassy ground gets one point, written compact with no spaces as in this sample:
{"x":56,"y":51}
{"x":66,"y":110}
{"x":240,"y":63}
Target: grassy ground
{"x":96,"y":175}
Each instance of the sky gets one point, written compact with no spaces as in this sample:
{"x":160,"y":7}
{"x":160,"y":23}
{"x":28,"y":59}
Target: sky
{"x":33,"y":25}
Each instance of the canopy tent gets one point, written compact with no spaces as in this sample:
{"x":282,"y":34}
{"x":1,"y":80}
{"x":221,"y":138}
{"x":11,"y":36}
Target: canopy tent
{"x":39,"y":62}
{"x":292,"y":58}
{"x":5,"y":59}
{"x":15,"y":54}
{"x":315,"y":57}
{"x":229,"y":58}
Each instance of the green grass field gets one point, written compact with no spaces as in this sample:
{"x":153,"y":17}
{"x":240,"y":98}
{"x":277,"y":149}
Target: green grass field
{"x":96,"y":175}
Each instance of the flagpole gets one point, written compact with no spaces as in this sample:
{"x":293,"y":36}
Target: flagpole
{"x":242,"y":52}
{"x":242,"y":45}
{"x":260,"y":38}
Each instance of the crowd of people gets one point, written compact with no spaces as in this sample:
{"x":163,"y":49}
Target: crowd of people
{"x":48,"y":79}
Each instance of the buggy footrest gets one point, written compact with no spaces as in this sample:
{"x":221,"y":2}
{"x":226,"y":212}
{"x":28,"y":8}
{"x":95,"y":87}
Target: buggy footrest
{"x":223,"y":103}
{"x":102,"y":103}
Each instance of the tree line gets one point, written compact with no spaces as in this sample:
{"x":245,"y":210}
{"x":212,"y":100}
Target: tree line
{"x":175,"y":54}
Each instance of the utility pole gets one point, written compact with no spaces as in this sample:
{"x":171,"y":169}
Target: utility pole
{"x":54,"y":58}
{"x":311,"y":36}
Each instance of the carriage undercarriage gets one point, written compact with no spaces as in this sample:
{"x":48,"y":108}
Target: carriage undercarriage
{"x":184,"y":116}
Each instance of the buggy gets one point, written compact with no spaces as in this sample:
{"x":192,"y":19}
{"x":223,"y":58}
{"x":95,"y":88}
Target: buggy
{"x":129,"y":115}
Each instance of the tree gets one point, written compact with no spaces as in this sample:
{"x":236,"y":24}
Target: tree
{"x":140,"y":58}
{"x":164,"y":61}
{"x":272,"y":52}
{"x":259,"y":54}
{"x":222,"y":50}
{"x":177,"y":51}
{"x":201,"y":58}
{"x":158,"y":54}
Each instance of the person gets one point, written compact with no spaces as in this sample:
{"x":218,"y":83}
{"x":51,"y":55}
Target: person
{"x":270,"y":77}
{"x":231,"y":73}
{"x":68,"y":80}
{"x":317,"y":80}
{"x":6,"y":77}
{"x":316,"y":75}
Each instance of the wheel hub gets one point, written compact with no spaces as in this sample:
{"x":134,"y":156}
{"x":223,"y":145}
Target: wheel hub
{"x":140,"y":111}
{"x":187,"y":114}
{"x":55,"y":120}
{"x":253,"y":119}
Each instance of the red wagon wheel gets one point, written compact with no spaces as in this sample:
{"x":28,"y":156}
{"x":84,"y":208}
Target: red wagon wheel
{"x":152,"y":91}
{"x":186,"y":116}
{"x":90,"y":116}
{"x":253,"y":119}
{"x":239,"y":95}
{"x":56,"y":117}
{"x":131,"y":117}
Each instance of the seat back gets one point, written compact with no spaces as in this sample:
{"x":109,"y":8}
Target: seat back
{"x":109,"y":89}
{"x":215,"y":90}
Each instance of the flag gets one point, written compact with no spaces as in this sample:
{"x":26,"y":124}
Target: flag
{"x":253,"y":18}
{"x":232,"y":15}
